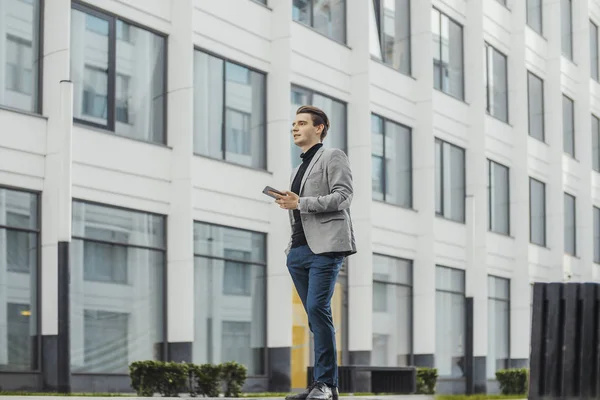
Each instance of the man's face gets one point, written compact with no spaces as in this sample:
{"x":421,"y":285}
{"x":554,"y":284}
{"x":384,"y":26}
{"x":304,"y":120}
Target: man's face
{"x":304,"y":132}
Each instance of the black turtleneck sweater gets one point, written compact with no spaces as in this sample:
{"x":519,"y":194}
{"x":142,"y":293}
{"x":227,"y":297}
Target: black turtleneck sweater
{"x":298,"y":238}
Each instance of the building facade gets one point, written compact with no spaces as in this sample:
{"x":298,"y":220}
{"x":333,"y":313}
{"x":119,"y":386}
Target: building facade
{"x":136,"y":138}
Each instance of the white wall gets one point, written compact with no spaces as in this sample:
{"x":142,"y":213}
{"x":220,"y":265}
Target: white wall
{"x":128,"y":173}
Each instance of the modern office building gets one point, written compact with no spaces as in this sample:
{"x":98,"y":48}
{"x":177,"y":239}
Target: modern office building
{"x":136,"y":137}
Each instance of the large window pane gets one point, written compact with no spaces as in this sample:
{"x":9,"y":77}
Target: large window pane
{"x":566,"y":25}
{"x":118,"y":72}
{"x":447,"y":54}
{"x":498,"y":325}
{"x":19,"y":246}
{"x":594,"y":67}
{"x":377,"y":158}
{"x":230,"y":294}
{"x":450,"y":322}
{"x":595,"y":143}
{"x":335,"y":110}
{"x":392,"y":162}
{"x":140,"y":84}
{"x":450,"y":181}
{"x":325,"y":16}
{"x":19,"y":50}
{"x":117,"y":286}
{"x":568,"y":112}
{"x":497,"y":84}
{"x":596,"y":235}
{"x":535,"y":92}
{"x":391,"y":30}
{"x":392,"y":311}
{"x":498,"y":196}
{"x":534,"y":15}
{"x":537,"y":212}
{"x":229,"y":111}
{"x":570,"y":224}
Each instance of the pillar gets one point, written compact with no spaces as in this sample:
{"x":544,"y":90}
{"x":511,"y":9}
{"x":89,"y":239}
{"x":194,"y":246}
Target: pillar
{"x":56,"y":198}
{"x":554,"y":138}
{"x":519,"y":191}
{"x":584,"y":215}
{"x":180,"y":222}
{"x":424,"y":192}
{"x":476,"y":191}
{"x":360,"y":265}
{"x":279,"y":284}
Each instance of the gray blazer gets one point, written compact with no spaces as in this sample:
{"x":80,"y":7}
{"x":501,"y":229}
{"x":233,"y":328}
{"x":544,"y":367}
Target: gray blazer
{"x":325,"y":196}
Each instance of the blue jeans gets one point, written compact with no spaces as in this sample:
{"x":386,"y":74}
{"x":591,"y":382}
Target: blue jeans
{"x":314,"y":277}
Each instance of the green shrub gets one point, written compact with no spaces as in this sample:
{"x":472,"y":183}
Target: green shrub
{"x":513,"y":381}
{"x":426,"y":380}
{"x":170,"y":378}
{"x":145,"y":376}
{"x":173,"y":379}
{"x":233,"y":376}
{"x":205,"y":380}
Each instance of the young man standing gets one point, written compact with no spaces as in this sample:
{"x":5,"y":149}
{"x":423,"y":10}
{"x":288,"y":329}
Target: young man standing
{"x":322,"y":236}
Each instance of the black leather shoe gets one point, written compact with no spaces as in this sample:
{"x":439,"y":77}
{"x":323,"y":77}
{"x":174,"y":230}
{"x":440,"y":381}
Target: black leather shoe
{"x":304,"y":395}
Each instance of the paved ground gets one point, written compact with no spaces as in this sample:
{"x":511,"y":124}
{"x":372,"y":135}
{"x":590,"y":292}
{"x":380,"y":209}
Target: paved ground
{"x":407,"y":397}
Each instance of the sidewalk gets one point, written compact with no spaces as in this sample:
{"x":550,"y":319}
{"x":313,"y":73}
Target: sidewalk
{"x":391,"y":397}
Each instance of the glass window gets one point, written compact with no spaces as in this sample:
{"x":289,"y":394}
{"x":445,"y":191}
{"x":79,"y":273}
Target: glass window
{"x":499,"y":198}
{"x":448,"y":63}
{"x":498,"y":325}
{"x":535,"y":92}
{"x":568,"y":111}
{"x":19,"y":252}
{"x":229,"y":111}
{"x":450,"y":322}
{"x":594,"y":68}
{"x":534,"y":15}
{"x":537,"y":212}
{"x":570,"y":224}
{"x":392,"y":178}
{"x":450,"y":181}
{"x":325,"y":16}
{"x":230,"y":294}
{"x":118,"y":72}
{"x":566,"y":25}
{"x":597,"y":235}
{"x":20,"y":50}
{"x":392,"y":311}
{"x":390,"y":20}
{"x":595,"y":143}
{"x":117,"y":286}
{"x":335,"y":110}
{"x":496,"y":83}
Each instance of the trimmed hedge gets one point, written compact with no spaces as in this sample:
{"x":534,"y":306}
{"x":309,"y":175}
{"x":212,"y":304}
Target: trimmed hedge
{"x":426,"y":380}
{"x":513,"y":381}
{"x":170,"y":379}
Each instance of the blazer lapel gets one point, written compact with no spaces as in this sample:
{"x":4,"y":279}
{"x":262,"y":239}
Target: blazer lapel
{"x":315,"y":158}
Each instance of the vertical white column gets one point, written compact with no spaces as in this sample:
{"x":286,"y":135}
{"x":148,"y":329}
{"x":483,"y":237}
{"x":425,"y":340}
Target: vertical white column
{"x":56,"y":220}
{"x":477,"y":181}
{"x":584,"y":218}
{"x":554,"y":138}
{"x":279,"y":284}
{"x":360,"y":265}
{"x":424,"y":191}
{"x":519,"y":188}
{"x":180,"y":225}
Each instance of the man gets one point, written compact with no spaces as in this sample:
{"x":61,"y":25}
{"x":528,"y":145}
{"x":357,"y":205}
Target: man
{"x":322,"y":235}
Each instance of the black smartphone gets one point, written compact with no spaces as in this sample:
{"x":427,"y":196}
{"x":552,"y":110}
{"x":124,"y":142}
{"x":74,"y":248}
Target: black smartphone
{"x":268,"y":189}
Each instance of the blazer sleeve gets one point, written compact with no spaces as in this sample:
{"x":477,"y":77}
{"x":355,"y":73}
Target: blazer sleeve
{"x":339,"y":176}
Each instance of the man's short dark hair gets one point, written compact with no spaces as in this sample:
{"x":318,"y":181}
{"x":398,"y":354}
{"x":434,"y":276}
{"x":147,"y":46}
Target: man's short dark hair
{"x":318,"y":118}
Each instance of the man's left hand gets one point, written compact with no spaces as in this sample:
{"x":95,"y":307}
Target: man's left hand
{"x":289,"y":201}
